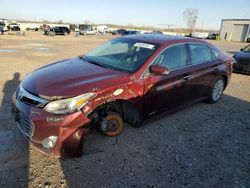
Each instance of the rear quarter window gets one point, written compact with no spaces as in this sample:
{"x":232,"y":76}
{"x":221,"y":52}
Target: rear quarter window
{"x":199,"y":53}
{"x":215,"y":53}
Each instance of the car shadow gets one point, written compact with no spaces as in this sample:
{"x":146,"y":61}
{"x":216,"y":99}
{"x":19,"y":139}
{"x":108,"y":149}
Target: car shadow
{"x":14,"y":149}
{"x":199,"y":145}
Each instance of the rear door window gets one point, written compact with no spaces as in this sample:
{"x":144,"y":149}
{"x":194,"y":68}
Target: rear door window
{"x":199,"y":53}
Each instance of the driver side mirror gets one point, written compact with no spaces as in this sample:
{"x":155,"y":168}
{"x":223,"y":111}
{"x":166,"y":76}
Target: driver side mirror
{"x":158,"y":70}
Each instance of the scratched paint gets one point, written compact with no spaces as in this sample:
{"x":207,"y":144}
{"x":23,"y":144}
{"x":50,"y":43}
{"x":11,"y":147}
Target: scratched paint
{"x":118,"y":92}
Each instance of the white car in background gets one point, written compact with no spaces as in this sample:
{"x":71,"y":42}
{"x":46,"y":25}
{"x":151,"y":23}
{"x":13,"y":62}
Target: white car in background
{"x":102,"y":29}
{"x":88,"y":32}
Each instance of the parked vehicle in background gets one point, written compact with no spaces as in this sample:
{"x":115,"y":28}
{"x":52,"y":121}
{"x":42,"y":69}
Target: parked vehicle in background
{"x":128,"y":79}
{"x":113,"y":32}
{"x":213,"y":36}
{"x":1,"y":30}
{"x":59,"y":30}
{"x":4,"y":24}
{"x":154,"y":32}
{"x":131,"y":32}
{"x":89,"y":31}
{"x":120,"y":31}
{"x":102,"y":29}
{"x":14,"y":27}
{"x":200,"y":35}
{"x":242,"y":60}
{"x":190,"y":35}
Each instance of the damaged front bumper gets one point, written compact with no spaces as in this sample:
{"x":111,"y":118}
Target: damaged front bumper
{"x":60,"y":135}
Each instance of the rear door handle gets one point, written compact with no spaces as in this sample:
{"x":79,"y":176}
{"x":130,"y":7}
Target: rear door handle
{"x":216,"y":67}
{"x":187,"y":76}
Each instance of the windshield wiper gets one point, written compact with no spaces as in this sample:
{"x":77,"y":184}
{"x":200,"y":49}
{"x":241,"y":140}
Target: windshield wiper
{"x":94,"y":62}
{"x":102,"y":65}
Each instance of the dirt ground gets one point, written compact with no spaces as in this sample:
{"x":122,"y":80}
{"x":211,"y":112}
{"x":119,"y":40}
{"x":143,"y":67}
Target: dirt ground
{"x":200,"y":146}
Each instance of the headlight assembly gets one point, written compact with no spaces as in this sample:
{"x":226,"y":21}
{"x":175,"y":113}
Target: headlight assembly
{"x":69,"y":105}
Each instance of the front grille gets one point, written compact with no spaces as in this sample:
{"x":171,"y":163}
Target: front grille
{"x":24,"y":123}
{"x":30,"y":101}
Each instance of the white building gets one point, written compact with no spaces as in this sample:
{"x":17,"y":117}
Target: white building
{"x":235,"y":29}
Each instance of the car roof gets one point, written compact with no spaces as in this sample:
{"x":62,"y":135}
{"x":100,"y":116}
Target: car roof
{"x":162,"y":39}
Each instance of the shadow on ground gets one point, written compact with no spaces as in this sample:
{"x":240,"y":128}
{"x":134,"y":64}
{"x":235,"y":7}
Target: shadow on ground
{"x":14,"y":149}
{"x":200,"y":146}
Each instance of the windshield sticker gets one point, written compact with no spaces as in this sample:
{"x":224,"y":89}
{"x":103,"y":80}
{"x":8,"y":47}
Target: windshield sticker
{"x":144,"y":45}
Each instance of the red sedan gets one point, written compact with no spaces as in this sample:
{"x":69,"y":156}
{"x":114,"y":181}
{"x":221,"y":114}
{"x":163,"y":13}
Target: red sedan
{"x":128,"y":79}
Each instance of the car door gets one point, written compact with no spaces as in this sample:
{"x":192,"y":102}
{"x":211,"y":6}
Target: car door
{"x":56,"y":30}
{"x":61,"y":30}
{"x":203,"y":70}
{"x":164,"y":92}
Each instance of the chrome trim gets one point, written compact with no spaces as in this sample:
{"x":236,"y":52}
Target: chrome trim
{"x":26,"y":134}
{"x":29,"y":138}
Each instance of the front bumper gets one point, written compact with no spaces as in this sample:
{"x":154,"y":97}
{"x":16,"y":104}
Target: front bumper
{"x":37,"y":124}
{"x":241,"y":68}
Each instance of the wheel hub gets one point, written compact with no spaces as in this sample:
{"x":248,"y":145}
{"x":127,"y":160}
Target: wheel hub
{"x":218,"y":89}
{"x":112,"y":125}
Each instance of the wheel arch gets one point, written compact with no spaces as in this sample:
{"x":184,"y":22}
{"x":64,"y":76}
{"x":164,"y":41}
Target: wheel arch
{"x":225,"y":79}
{"x":126,"y":108}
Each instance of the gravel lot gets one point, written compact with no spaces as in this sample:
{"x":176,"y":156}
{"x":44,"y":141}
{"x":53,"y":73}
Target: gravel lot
{"x":202,"y":145}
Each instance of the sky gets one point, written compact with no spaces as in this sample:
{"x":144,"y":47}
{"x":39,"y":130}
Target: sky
{"x":158,"y":13}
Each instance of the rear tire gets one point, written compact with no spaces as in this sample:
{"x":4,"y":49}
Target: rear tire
{"x":216,"y":91}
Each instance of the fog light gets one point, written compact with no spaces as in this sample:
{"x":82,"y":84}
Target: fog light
{"x":49,"y":142}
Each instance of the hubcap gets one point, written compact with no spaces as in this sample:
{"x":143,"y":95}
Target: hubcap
{"x":218,"y":89}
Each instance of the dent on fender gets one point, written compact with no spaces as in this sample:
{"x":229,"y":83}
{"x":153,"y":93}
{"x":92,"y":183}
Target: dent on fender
{"x":128,"y":92}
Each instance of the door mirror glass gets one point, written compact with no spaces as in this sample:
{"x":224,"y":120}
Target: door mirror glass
{"x":158,"y":70}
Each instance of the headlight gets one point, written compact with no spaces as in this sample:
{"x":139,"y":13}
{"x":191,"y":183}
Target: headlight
{"x":68,"y":105}
{"x":234,"y":60}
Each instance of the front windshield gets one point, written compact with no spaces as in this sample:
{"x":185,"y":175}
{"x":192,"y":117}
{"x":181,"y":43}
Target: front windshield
{"x":122,"y":54}
{"x":247,"y":49}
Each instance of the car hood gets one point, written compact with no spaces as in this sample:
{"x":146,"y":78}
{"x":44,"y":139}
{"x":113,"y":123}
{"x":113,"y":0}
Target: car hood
{"x":70,"y":78}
